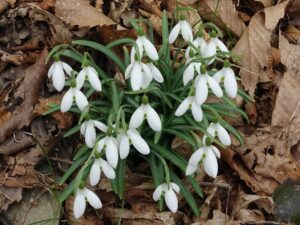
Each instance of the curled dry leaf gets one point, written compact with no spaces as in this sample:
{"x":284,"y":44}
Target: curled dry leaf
{"x":17,"y":143}
{"x":80,"y":13}
{"x":274,"y":14}
{"x":151,"y":6}
{"x":223,"y":13}
{"x":292,"y":34}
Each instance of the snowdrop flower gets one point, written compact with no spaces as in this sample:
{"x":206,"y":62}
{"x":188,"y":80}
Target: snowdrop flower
{"x":203,"y":82}
{"x":80,"y":201}
{"x":183,"y":28}
{"x":169,"y":193}
{"x":143,"y":44}
{"x":88,"y":130}
{"x":98,"y":166}
{"x":198,"y":43}
{"x":73,"y":93}
{"x":216,"y":129}
{"x":208,"y":154}
{"x":57,"y":72}
{"x":155,"y":73}
{"x":145,"y":111}
{"x":132,"y":136}
{"x":109,"y":144}
{"x":226,"y":74}
{"x":189,"y":72}
{"x":92,"y":75}
{"x":190,"y":103}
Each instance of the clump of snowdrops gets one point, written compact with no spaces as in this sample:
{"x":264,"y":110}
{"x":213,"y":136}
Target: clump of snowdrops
{"x":164,"y":97}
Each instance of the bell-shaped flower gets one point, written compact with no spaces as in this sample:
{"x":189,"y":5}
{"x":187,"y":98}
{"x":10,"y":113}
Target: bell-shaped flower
{"x":184,"y":28}
{"x":226,"y":74}
{"x":207,"y":154}
{"x":190,"y":103}
{"x":73,"y":93}
{"x":98,"y":166}
{"x":109,"y":144}
{"x":200,"y":44}
{"x":145,"y":111}
{"x":155,"y":73}
{"x":189,"y":72}
{"x":88,"y":130}
{"x":57,"y":72}
{"x":83,"y":195}
{"x":203,"y":82}
{"x":144,"y":45}
{"x":216,"y":129}
{"x":169,"y":193}
{"x":92,"y":76}
{"x":132,"y":136}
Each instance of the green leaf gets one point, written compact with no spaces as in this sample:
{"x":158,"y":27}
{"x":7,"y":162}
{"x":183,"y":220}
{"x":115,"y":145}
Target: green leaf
{"x":72,"y":131}
{"x":121,"y":177}
{"x":196,"y":186}
{"x":83,"y":149}
{"x":115,"y":97}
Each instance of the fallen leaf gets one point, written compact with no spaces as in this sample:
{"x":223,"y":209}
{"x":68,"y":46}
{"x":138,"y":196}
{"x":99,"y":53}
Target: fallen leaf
{"x":266,"y":3}
{"x":8,"y":196}
{"x":274,"y":13}
{"x":222,"y":13}
{"x":292,"y":34}
{"x":80,"y":13}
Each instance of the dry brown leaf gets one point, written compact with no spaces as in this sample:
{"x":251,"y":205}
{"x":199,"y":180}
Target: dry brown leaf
{"x":151,"y":6}
{"x":274,"y":13}
{"x":226,"y":16}
{"x":273,"y":57}
{"x":9,"y":196}
{"x":266,"y":3}
{"x":80,"y":13}
{"x":16,"y":144}
{"x":292,"y":34}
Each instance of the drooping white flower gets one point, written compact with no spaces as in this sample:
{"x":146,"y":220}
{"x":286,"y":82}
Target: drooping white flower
{"x":145,"y":111}
{"x":109,"y":144}
{"x":207,"y":154}
{"x":73,"y":93}
{"x":200,"y":44}
{"x":88,"y":130}
{"x":156,"y":73}
{"x":190,"y":102}
{"x":57,"y":72}
{"x":226,"y":74}
{"x":203,"y":82}
{"x":184,"y":28}
{"x":216,"y":129}
{"x":189,"y":72}
{"x":144,"y":45}
{"x":92,"y":75}
{"x":168,"y":191}
{"x":98,"y":166}
{"x":132,"y":136}
{"x":80,"y":201}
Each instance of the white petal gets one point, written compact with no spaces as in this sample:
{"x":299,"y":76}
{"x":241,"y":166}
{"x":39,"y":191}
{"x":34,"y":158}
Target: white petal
{"x":215,"y":87}
{"x":82,"y":128}
{"x":101,"y":144}
{"x":174,"y":33}
{"x":190,"y":169}
{"x":95,"y":173}
{"x":221,"y":45}
{"x":216,"y":151}
{"x":211,"y":164}
{"x":111,"y":153}
{"x":156,"y":73}
{"x":58,"y":77}
{"x":139,"y":43}
{"x":66,"y":102}
{"x":183,"y":107}
{"x":188,"y":74}
{"x":124,"y":146}
{"x":81,"y":100}
{"x":139,"y":143}
{"x":79,"y":204}
{"x":218,"y":76}
{"x":171,"y":200}
{"x":157,"y":192}
{"x":80,"y":78}
{"x":230,"y":83}
{"x":128,"y":71}
{"x":107,"y":169}
{"x":186,"y":31}
{"x":175,"y":187}
{"x":210,"y":51}
{"x":196,"y":157}
{"x":137,"y":118}
{"x":153,"y":119}
{"x":136,"y":77}
{"x":51,"y":69}
{"x":101,"y":126}
{"x":94,"y":79}
{"x":93,"y":199}
{"x":67,"y":68}
{"x":223,"y":136}
{"x":197,"y":67}
{"x":201,"y":90}
{"x":187,"y":52}
{"x":150,"y":49}
{"x":147,"y":76}
{"x":132,"y":55}
{"x":197,"y":112}
{"x":90,"y":135}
